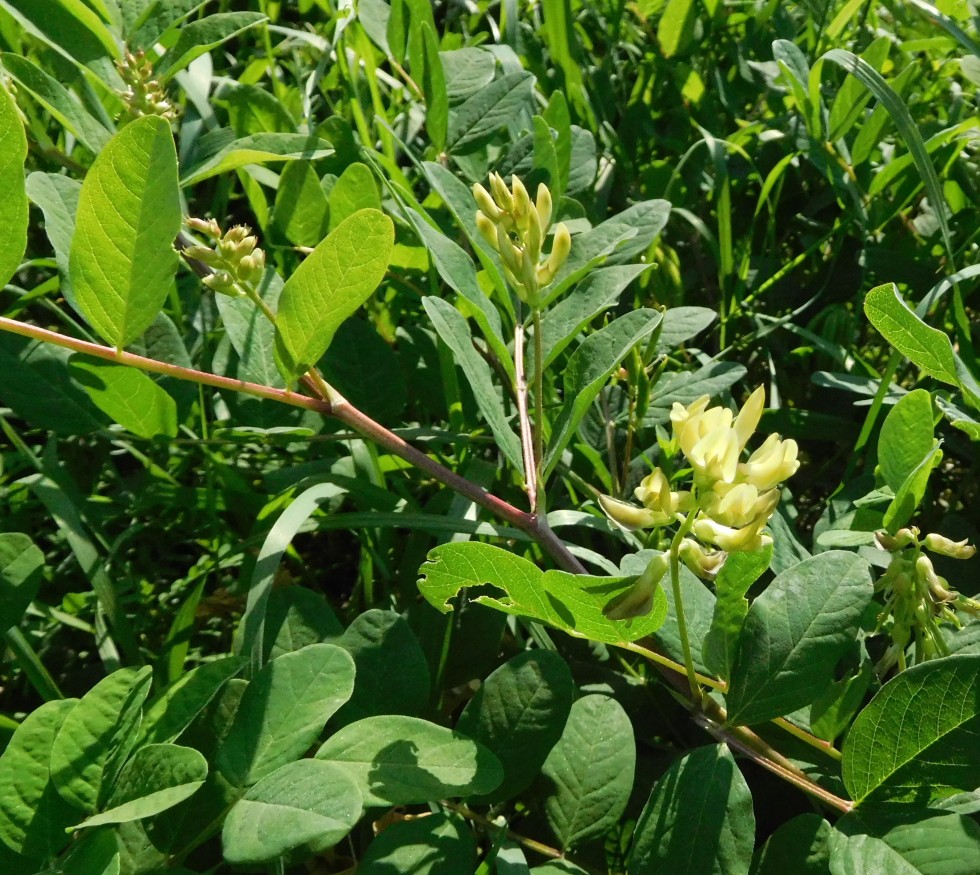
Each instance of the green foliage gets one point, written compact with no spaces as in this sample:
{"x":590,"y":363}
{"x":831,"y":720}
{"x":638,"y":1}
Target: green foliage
{"x":391,"y":531}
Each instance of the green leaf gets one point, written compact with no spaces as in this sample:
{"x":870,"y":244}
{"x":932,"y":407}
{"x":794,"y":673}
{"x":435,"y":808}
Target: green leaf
{"x":202,"y":35}
{"x":794,"y":635}
{"x":340,"y":275}
{"x":570,"y":602}
{"x":260,"y":148}
{"x":599,"y":291}
{"x":89,"y":736}
{"x":452,"y":327}
{"x":295,"y":617}
{"x":392,"y":674}
{"x":398,"y":760}
{"x":354,"y":190}
{"x":491,"y":108}
{"x":61,"y":103}
{"x":467,"y":71}
{"x":800,"y":846}
{"x":251,"y":334}
{"x":518,"y":714}
{"x":180,"y":704}
{"x":588,"y":776}
{"x":927,"y":348}
{"x":283,"y":711}
{"x":122,"y":261}
{"x":911,"y":492}
{"x":931,"y":842}
{"x":127,"y":396}
{"x":676,"y":28}
{"x":158,"y":777}
{"x":906,"y":437}
{"x":439,"y":844}
{"x":38,"y":387}
{"x":94,"y":853}
{"x":740,"y":571}
{"x":589,"y":368}
{"x":57,"y":196}
{"x":683,"y":387}
{"x":681,"y":324}
{"x":434,"y":90}
{"x":308,"y":802}
{"x":699,"y":818}
{"x":13,"y":204}
{"x":33,"y":816}
{"x":301,"y":209}
{"x":20,"y":576}
{"x":890,"y":758}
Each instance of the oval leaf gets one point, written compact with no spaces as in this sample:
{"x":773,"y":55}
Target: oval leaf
{"x":400,"y":760}
{"x":795,"y":633}
{"x":283,"y":710}
{"x":13,"y":204}
{"x":889,"y":757}
{"x":303,"y":803}
{"x":122,"y":261}
{"x":329,"y":286}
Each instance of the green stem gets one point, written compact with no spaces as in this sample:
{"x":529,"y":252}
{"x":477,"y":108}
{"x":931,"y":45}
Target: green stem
{"x":538,"y":408}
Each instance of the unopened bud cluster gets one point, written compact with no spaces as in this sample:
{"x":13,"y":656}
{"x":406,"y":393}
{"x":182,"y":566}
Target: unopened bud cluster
{"x":517,"y":229}
{"x":732,"y":500}
{"x":144,"y":95}
{"x":917,"y":599}
{"x":234,"y":258}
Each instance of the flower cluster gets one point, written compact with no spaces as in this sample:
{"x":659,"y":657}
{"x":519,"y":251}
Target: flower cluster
{"x":144,"y":95}
{"x":517,"y":229}
{"x":916,"y":597}
{"x":233,"y":257}
{"x":729,"y":500}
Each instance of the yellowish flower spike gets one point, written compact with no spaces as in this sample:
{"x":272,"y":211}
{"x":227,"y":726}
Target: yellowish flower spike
{"x":517,"y":229}
{"x":775,"y":461}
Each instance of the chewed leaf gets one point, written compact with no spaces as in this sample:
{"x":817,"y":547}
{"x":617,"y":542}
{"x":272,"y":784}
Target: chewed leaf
{"x":571,"y":602}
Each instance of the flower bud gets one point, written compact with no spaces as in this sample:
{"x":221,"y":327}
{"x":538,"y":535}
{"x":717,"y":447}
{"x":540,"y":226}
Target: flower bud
{"x":487,"y":229}
{"x":627,"y":515}
{"x":533,"y":240}
{"x":485,"y":202}
{"x":501,"y":194}
{"x":560,"y":248}
{"x":705,"y":564}
{"x":542,"y":206}
{"x":522,"y":200}
{"x":938,"y":586}
{"x":748,"y":538}
{"x":208,"y":227}
{"x":204,"y":254}
{"x":748,"y":417}
{"x":638,"y":599}
{"x":509,"y":253}
{"x":947,"y":547}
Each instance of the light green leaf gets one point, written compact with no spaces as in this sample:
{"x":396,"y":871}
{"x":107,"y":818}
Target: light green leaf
{"x":57,"y":196}
{"x":61,"y":103}
{"x":566,"y":601}
{"x":455,"y":333}
{"x":170,"y":714}
{"x":440,"y":844}
{"x":339,"y":276}
{"x":794,"y":635}
{"x":518,"y":714}
{"x":906,"y":437}
{"x":158,"y":777}
{"x":927,"y":348}
{"x":676,"y":28}
{"x":888,"y":757}
{"x":860,"y":854}
{"x":398,"y":760}
{"x":202,"y":35}
{"x":122,"y":261}
{"x":300,"y":212}
{"x":88,"y":738}
{"x":251,"y":334}
{"x":308,"y":802}
{"x":94,"y":853}
{"x":392,"y":674}
{"x":587,"y":778}
{"x":355,"y":189}
{"x":911,"y":492}
{"x":699,"y":818}
{"x":20,"y":576}
{"x":599,"y":291}
{"x":261,"y":148}
{"x":283,"y":711}
{"x":13,"y":204}
{"x":488,"y":110}
{"x":434,"y":90}
{"x":127,"y":396}
{"x":740,"y":571}
{"x":589,"y":368}
{"x":33,"y":817}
